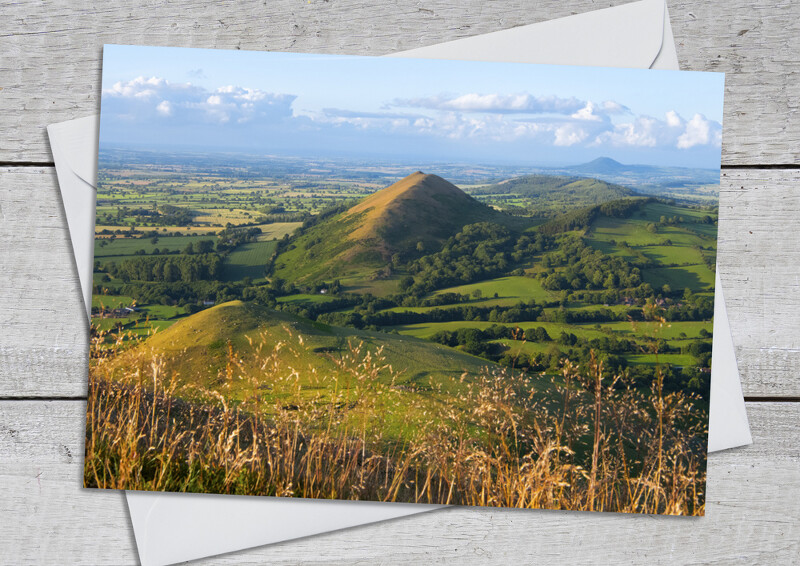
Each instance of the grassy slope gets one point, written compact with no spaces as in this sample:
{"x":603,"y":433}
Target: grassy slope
{"x":354,"y":244}
{"x":557,"y":193}
{"x":197,"y":344}
{"x":195,"y":349}
{"x":689,"y":270}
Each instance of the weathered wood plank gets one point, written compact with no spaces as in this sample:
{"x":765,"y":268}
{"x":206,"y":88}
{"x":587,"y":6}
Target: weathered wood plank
{"x":43,"y":351}
{"x":751,"y":517}
{"x":44,"y":345}
{"x":50,"y":51}
{"x":759,"y":263}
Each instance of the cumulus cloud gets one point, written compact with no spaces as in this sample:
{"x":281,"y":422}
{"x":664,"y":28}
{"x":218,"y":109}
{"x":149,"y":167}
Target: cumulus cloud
{"x":343,"y":113}
{"x":495,"y":103}
{"x":674,"y":120}
{"x":164,"y":108}
{"x":569,"y":134}
{"x":698,"y":132}
{"x":476,"y":118}
{"x":185,"y":102}
{"x":612,"y":107}
{"x":673,"y":132}
{"x":140,"y":87}
{"x":588,"y":112}
{"x":642,"y":132}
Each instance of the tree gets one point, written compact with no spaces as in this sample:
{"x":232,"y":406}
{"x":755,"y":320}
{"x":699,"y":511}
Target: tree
{"x":189,"y":249}
{"x":205,"y":246}
{"x":406,"y":282}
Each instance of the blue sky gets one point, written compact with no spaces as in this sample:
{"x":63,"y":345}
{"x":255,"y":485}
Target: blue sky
{"x":407,"y":109}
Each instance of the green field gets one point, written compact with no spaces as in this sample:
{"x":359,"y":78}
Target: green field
{"x":428,"y":329}
{"x":249,"y":260}
{"x":510,"y":290}
{"x":111,"y":301}
{"x":681,"y":360}
{"x":640,"y":332}
{"x":305,"y":298}
{"x":695,"y":277}
{"x":671,"y":245}
{"x":277,"y":230}
{"x":124,"y":248}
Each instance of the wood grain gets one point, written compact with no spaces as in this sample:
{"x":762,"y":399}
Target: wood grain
{"x":50,"y":51}
{"x":44,"y":349}
{"x":751,"y":517}
{"x":50,"y":71}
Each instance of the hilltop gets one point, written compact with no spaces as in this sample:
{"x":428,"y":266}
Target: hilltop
{"x":606,"y":165}
{"x":197,"y":347}
{"x":412,"y":216}
{"x":677,"y":182}
{"x":542,"y":194}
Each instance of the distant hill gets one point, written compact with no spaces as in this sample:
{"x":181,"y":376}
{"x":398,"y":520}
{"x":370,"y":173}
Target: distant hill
{"x":644,"y":178}
{"x":197,"y":346}
{"x":558,"y":193}
{"x":605,"y":165}
{"x":413,"y":215}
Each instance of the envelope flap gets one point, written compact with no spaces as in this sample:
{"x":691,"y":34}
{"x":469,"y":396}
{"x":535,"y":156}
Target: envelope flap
{"x":630,"y":36}
{"x":77,"y":141}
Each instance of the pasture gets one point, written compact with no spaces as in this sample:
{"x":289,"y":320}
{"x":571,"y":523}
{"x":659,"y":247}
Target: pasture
{"x":124,"y":248}
{"x":509,"y":290}
{"x":249,"y":260}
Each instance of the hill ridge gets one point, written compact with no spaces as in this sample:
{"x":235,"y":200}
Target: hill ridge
{"x":416,"y":213}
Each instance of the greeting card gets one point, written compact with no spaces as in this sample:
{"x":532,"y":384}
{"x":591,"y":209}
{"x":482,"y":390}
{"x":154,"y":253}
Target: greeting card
{"x":403,"y":280}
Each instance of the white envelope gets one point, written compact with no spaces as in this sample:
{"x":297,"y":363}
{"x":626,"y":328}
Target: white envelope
{"x":173,"y":527}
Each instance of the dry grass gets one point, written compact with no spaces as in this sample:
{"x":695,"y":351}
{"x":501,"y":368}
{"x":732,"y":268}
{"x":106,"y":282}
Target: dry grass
{"x":594,"y":444}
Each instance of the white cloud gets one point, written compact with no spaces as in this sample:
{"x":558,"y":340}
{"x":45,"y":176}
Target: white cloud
{"x":480,"y":118}
{"x":140,"y":87}
{"x":672,"y":132}
{"x":674,"y":120}
{"x":569,"y":134}
{"x":588,"y":112}
{"x":495,"y":103}
{"x":612,"y":107}
{"x":642,"y":132}
{"x":183,"y":101}
{"x":164,"y":108}
{"x":243,"y":93}
{"x":698,"y":132}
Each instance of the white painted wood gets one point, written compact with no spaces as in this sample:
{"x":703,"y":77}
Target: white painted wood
{"x":50,"y":51}
{"x":43,"y":327}
{"x":752,"y":516}
{"x":49,"y":72}
{"x":759,"y":263}
{"x":43,"y":351}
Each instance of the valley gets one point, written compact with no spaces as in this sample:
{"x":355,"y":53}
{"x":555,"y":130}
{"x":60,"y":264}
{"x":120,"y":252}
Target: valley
{"x":586,"y":260}
{"x":384,"y":310}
